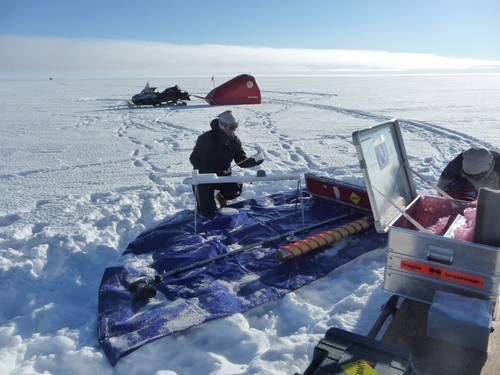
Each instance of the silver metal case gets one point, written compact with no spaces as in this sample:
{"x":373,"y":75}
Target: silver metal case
{"x":419,"y":263}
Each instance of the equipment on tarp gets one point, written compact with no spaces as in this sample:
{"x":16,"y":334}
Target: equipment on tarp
{"x":324,"y":238}
{"x":144,"y":287}
{"x":242,"y":89}
{"x":234,"y":284}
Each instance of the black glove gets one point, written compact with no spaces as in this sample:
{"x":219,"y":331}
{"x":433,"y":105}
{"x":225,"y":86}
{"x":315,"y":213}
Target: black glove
{"x":258,"y":162}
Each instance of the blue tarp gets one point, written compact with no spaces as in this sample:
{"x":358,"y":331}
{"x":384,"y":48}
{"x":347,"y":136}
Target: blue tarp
{"x":233,"y":284}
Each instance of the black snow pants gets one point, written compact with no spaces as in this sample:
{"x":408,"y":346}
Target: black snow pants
{"x":205,"y":198}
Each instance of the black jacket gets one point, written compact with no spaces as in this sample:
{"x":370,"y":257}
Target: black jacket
{"x":452,"y":177}
{"x":214,"y":152}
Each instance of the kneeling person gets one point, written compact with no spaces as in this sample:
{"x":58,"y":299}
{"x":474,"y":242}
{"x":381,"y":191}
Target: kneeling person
{"x":469,"y":171}
{"x":213,"y":153}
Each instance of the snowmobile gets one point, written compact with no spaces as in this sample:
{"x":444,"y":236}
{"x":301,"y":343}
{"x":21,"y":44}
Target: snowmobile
{"x":170,"y":96}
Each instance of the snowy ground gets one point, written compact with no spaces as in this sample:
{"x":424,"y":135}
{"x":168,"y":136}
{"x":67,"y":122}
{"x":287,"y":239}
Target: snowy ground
{"x":82,"y":175}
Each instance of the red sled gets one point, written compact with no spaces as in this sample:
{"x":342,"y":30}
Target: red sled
{"x":341,"y":192}
{"x":242,"y":89}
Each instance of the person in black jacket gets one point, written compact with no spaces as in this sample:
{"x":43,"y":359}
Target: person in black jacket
{"x":213,"y":153}
{"x":470,"y":170}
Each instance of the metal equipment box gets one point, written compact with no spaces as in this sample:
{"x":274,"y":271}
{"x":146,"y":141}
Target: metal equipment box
{"x":420,"y":262}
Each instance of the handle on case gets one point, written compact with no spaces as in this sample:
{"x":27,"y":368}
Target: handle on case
{"x":440,"y":255}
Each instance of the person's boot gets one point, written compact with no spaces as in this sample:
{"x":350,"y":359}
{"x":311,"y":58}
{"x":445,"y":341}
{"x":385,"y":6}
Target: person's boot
{"x":222,"y":201}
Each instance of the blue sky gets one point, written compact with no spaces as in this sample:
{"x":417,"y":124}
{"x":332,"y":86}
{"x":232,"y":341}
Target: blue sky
{"x":320,"y":36}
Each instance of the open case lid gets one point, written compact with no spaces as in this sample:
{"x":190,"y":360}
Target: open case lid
{"x":382,"y":157}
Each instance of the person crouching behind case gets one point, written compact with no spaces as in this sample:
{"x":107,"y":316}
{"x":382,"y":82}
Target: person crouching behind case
{"x":213,"y":153}
{"x":470,"y":170}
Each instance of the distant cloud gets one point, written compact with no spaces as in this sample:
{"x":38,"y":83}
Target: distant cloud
{"x":32,"y":56}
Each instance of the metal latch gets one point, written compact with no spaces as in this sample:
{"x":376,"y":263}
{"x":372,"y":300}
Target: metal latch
{"x":440,"y":255}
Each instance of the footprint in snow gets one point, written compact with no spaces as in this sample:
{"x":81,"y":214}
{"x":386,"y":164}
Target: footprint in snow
{"x":5,"y":221}
{"x":157,"y":180}
{"x":37,"y":228}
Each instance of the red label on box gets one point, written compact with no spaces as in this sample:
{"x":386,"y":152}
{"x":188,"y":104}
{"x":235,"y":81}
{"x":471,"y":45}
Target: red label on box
{"x":442,"y":273}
